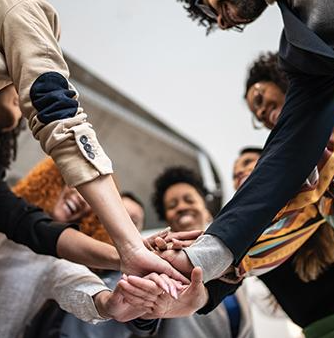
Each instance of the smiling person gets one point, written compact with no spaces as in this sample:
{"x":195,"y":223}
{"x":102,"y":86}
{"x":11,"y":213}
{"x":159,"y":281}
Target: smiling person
{"x":31,"y":59}
{"x":179,"y":200}
{"x":35,"y":279}
{"x":297,"y":141}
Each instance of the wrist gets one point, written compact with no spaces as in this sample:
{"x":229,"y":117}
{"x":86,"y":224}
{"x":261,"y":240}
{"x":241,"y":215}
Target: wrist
{"x":100,"y":300}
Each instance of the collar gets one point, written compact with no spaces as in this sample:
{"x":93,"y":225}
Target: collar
{"x":300,"y":36}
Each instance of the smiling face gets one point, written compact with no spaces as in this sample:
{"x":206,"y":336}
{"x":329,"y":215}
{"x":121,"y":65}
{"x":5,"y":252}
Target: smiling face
{"x":243,"y":167}
{"x":10,"y":112}
{"x":233,"y":13}
{"x":185,"y":208}
{"x":265,"y":100}
{"x":70,"y":206}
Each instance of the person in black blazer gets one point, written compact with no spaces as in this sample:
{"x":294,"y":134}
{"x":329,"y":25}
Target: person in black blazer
{"x":299,"y":137}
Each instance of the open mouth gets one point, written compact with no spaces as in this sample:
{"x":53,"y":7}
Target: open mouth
{"x":185,"y":218}
{"x":73,"y":208}
{"x":274,"y":115}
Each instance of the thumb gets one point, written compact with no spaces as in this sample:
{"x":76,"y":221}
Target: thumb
{"x":196,"y":276}
{"x":116,"y":296}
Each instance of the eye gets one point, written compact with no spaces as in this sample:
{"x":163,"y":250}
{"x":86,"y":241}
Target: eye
{"x":189,"y":199}
{"x":257,"y":101}
{"x":171,"y":205}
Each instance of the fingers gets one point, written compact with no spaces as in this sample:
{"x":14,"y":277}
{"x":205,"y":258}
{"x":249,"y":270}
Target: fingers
{"x":141,"y":288}
{"x":166,"y":283}
{"x":175,"y":274}
{"x":150,"y":241}
{"x":184,"y":235}
{"x":160,"y":243}
{"x":197,"y":276}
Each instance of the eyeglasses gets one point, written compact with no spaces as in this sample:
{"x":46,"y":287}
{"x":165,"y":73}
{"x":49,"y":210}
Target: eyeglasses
{"x":212,"y":14}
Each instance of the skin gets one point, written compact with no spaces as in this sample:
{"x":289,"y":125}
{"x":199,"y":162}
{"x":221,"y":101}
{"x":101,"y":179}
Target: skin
{"x":142,"y":295}
{"x":102,"y":195}
{"x":234,"y":12}
{"x":243,"y":167}
{"x":70,"y":206}
{"x":10,"y":109}
{"x":185,"y":208}
{"x":135,"y":211}
{"x":265,"y":100}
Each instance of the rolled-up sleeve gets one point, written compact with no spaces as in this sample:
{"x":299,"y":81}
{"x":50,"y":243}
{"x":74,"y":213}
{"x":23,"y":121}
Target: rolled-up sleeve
{"x":73,"y":286}
{"x":34,"y":60}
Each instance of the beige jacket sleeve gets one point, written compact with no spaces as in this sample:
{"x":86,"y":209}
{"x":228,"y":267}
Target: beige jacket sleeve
{"x":73,"y":286}
{"x":29,"y":32}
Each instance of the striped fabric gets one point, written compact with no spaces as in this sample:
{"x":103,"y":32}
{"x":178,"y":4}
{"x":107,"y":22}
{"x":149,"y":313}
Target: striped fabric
{"x":294,"y":224}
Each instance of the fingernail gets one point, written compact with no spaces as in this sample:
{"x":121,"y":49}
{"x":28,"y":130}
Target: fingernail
{"x":173,"y":292}
{"x":165,"y":287}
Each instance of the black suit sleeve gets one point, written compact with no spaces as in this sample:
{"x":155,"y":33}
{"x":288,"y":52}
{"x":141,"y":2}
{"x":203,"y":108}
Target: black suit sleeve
{"x":290,"y":154}
{"x":217,"y":290}
{"x":28,"y":225}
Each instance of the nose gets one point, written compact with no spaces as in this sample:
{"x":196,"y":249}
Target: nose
{"x":261,"y":113}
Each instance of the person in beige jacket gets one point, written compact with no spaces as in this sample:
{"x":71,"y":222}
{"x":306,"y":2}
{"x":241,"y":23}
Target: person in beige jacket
{"x":31,"y":59}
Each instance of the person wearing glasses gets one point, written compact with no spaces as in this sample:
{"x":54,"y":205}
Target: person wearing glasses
{"x":297,"y":141}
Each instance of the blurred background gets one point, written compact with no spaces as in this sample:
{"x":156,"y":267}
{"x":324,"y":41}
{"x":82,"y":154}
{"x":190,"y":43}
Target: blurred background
{"x":160,"y":92}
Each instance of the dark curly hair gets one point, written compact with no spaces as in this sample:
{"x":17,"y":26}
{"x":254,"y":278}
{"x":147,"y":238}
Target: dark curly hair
{"x":246,"y":150}
{"x":8,"y":145}
{"x":246,"y":9}
{"x":265,"y":68}
{"x":171,"y":176}
{"x":195,"y":14}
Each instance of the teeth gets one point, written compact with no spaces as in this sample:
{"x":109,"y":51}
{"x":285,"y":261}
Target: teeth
{"x":71,"y":205}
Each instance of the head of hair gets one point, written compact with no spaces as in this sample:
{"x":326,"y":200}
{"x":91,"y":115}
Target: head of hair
{"x":133,"y":197}
{"x":8,"y":145}
{"x":246,"y":150}
{"x":172,"y":176}
{"x":196,"y":14}
{"x":43,"y":186}
{"x":265,"y":68}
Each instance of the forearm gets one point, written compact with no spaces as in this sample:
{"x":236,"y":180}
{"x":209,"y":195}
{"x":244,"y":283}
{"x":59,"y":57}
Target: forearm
{"x":292,"y":151}
{"x":28,"y":225}
{"x":104,"y":198}
{"x":80,"y":248}
{"x":74,"y":287}
{"x":217,"y":291}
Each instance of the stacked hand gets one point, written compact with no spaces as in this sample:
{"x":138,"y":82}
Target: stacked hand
{"x":160,"y":296}
{"x":190,"y":298}
{"x":141,"y":296}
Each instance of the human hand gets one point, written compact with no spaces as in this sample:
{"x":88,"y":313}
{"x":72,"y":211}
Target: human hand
{"x":140,"y":262}
{"x":112,"y":305}
{"x":141,"y":295}
{"x":191,"y":298}
{"x":166,"y":239}
{"x":179,"y":260}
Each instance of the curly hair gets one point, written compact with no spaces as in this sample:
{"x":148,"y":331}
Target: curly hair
{"x":8,"y":145}
{"x":265,"y":68}
{"x":195,"y":14}
{"x":246,"y":150}
{"x":171,"y":176}
{"x":42,"y":187}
